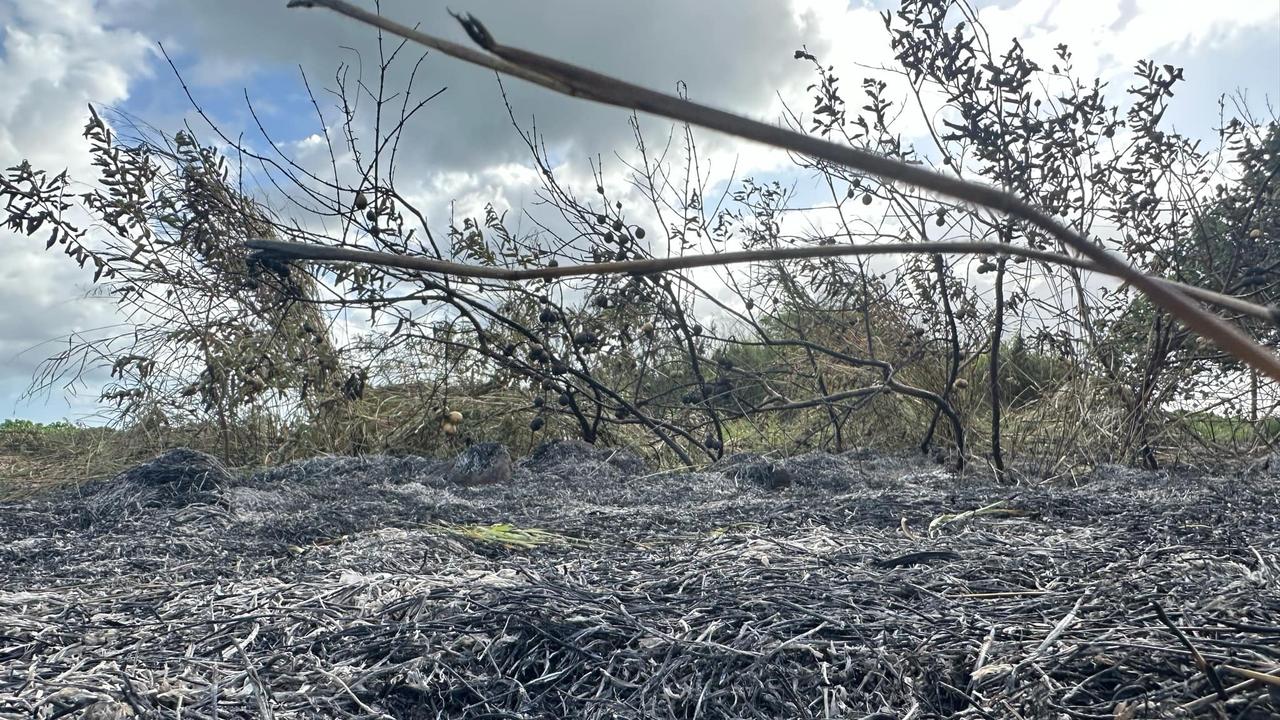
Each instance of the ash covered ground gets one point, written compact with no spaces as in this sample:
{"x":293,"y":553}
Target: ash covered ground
{"x":577,"y":583}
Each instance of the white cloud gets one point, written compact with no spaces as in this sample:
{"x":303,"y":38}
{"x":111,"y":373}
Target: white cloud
{"x":1107,"y":37}
{"x":57,"y":57}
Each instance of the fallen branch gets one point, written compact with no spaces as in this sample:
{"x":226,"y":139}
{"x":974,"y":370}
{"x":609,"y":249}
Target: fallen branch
{"x":306,"y":251}
{"x":1271,"y":677}
{"x":1203,"y":665}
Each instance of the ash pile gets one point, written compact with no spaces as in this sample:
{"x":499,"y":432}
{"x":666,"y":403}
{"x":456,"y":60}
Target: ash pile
{"x":577,"y":583}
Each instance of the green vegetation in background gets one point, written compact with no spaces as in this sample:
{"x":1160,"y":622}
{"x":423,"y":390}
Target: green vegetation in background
{"x":20,"y":425}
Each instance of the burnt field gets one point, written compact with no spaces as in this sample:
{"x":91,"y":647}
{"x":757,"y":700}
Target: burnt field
{"x":577,"y":583}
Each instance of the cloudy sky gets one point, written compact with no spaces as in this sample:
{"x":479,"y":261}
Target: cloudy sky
{"x":56,"y":56}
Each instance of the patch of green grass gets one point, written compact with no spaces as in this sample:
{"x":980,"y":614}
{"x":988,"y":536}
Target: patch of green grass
{"x":1218,"y":429}
{"x":36,"y":457}
{"x":742,"y":528}
{"x":509,"y":536}
{"x":996,"y":509}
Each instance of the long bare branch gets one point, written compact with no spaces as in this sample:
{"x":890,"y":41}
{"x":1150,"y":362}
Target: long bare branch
{"x":307,"y":251}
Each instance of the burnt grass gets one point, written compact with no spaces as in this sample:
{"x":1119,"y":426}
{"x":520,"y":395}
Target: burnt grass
{"x":582,"y":585}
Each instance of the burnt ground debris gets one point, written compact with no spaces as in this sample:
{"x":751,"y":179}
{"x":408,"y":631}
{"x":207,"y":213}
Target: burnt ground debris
{"x":588,"y":586}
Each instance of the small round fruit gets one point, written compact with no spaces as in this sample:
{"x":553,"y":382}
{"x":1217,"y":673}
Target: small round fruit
{"x":639,"y":233}
{"x":361,"y":202}
{"x":536,"y":424}
{"x":1255,"y":233}
{"x":449,"y":428}
{"x":866,"y":199}
{"x":455,"y":417}
{"x":961,"y":383}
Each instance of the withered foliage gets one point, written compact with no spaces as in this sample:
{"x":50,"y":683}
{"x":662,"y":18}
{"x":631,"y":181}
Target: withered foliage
{"x":968,"y":357}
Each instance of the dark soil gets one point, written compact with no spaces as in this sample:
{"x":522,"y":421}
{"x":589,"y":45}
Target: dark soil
{"x":583,"y":585}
